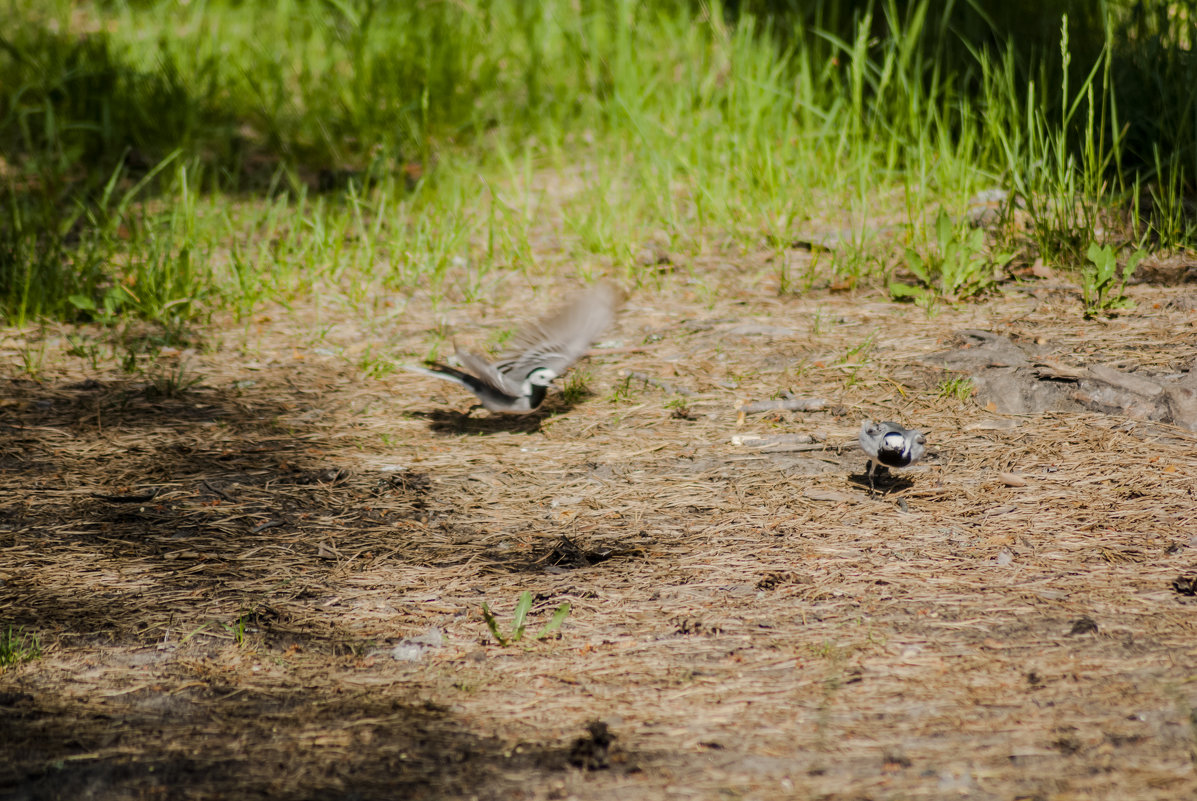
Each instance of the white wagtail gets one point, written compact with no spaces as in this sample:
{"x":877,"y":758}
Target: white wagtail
{"x":518,"y":382}
{"x":891,"y":445}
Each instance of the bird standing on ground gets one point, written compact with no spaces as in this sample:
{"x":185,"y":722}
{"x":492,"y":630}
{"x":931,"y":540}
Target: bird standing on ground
{"x":891,"y":445}
{"x":519,"y":380}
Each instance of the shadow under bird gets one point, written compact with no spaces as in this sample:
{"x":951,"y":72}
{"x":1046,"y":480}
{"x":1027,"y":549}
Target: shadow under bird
{"x":891,"y":445}
{"x":518,"y":381}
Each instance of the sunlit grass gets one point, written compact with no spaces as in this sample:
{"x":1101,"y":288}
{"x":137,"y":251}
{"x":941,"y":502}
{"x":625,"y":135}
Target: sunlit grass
{"x":171,"y":161}
{"x":17,"y":646}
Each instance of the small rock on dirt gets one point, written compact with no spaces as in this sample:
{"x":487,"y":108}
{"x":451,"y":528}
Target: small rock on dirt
{"x":413,"y":649}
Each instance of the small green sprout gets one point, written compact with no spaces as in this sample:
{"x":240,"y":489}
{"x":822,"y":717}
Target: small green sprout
{"x":518,"y":622}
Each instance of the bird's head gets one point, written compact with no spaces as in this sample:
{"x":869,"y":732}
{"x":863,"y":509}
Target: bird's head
{"x":541,"y":377}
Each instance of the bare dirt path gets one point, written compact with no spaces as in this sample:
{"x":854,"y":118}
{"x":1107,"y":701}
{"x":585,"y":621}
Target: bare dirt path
{"x":220,"y":577}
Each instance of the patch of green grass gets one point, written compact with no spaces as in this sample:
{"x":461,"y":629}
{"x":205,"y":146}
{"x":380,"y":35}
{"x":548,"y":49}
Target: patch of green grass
{"x":168,"y":165}
{"x":498,"y":338}
{"x":623,"y":391}
{"x":83,"y":346}
{"x":33,"y":357}
{"x":856,"y":357}
{"x":170,"y":380}
{"x":1170,"y":223}
{"x":1103,"y":283}
{"x":956,"y":266}
{"x":16,"y":647}
{"x":375,"y":364}
{"x":960,"y":388}
{"x":237,"y":629}
{"x":679,"y":409}
{"x":519,"y":621}
{"x":575,"y":387}
{"x":859,"y":353}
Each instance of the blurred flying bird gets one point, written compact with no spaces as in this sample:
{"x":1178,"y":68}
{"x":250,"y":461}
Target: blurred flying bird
{"x":519,"y":380}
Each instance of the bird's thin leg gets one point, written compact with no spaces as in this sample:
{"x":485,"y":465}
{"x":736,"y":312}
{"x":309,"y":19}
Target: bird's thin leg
{"x":869,"y":468}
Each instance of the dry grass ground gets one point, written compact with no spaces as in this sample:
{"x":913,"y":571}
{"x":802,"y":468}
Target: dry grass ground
{"x":749,"y":621}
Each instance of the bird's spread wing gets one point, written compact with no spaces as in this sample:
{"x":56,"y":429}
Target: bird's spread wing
{"x":870,"y":429}
{"x":560,"y":340}
{"x":488,"y":374}
{"x":479,"y":376}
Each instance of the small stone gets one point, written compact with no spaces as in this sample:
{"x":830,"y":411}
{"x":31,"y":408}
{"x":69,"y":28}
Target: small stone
{"x":413,"y":649}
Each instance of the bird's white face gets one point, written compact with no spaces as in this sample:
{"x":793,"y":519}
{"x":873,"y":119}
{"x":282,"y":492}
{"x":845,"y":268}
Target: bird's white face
{"x":541,"y":377}
{"x":895,"y":441}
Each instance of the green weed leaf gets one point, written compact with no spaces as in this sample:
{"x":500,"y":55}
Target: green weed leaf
{"x":493,"y":624}
{"x":82,"y":302}
{"x":555,"y":621}
{"x":943,"y":231}
{"x":1103,"y":259}
{"x":1102,"y":285}
{"x":1132,"y":264}
{"x":917,"y":265}
{"x":907,"y":292}
{"x":521,"y":613}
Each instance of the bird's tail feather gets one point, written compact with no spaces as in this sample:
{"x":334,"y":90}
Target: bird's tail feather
{"x":438,"y":370}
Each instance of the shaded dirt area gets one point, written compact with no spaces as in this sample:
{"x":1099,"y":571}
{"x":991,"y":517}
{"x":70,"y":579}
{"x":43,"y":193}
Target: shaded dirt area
{"x":269,"y":585}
